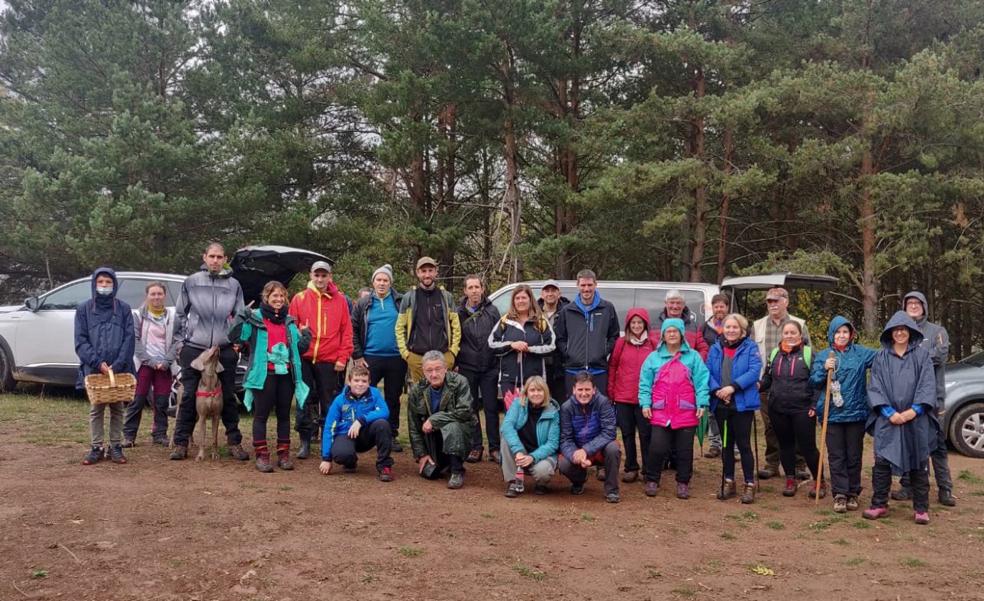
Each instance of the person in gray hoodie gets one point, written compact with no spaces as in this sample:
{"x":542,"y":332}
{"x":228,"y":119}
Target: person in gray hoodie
{"x":937,"y":342}
{"x":209,"y":301}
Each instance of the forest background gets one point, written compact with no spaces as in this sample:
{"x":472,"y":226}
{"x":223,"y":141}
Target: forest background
{"x":648,"y":140}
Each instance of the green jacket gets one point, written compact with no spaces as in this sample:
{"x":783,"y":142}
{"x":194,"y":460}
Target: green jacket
{"x":454,"y":418}
{"x":248,"y":327}
{"x":404,"y":323}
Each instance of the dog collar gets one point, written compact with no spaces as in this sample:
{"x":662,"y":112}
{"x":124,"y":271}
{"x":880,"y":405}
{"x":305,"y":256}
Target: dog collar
{"x":207,"y":393}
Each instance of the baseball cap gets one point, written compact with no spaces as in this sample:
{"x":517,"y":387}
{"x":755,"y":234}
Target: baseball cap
{"x":776,"y":294}
{"x":325,"y":265}
{"x":550,"y":283}
{"x":425,"y":261}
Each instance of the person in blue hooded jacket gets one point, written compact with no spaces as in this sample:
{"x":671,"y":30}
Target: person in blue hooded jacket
{"x":104,"y":341}
{"x":356,"y":421}
{"x":902,"y":396}
{"x":848,"y":408}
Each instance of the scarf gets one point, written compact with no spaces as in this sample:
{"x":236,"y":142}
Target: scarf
{"x":272,"y":314}
{"x":786,"y":348}
{"x":727,"y":344}
{"x":641,"y":340}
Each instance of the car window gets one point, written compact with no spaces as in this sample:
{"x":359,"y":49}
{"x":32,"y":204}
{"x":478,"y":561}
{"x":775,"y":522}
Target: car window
{"x":134,"y":291}
{"x":68,"y":297}
{"x":622,"y":298}
{"x":654,"y":301}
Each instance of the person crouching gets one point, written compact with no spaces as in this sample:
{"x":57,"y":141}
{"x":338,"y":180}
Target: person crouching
{"x":356,"y":421}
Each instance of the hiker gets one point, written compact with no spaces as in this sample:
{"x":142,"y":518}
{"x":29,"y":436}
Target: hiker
{"x":586,"y":331}
{"x":374,"y":343}
{"x":902,"y":394}
{"x":209,"y":300}
{"x":427,"y":321}
{"x":357,"y":421}
{"x":848,"y":408}
{"x":631,"y":351}
{"x":587,"y":437}
{"x":714,"y":326}
{"x":155,"y":351}
{"x":673,"y":396}
{"x":477,"y":363}
{"x":273,"y":378}
{"x":440,"y":420}
{"x":104,"y":341}
{"x":734,"y":366}
{"x":530,"y":438}
{"x":323,"y":310}
{"x":551,"y":301}
{"x":792,"y":406}
{"x":937,"y":342}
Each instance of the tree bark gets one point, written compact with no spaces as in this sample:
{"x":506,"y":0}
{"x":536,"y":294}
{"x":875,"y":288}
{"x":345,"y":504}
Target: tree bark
{"x":722,"y":258}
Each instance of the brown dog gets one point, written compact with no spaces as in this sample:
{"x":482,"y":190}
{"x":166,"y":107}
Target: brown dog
{"x":208,"y":399}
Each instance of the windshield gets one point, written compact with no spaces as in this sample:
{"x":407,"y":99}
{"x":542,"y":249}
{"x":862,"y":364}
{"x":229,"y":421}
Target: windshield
{"x":977,"y":359}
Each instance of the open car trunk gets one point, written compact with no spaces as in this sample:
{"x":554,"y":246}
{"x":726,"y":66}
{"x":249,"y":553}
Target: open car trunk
{"x":739,"y":287}
{"x":254,"y":266}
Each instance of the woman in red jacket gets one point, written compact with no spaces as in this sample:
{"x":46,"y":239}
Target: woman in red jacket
{"x":624,"y":365}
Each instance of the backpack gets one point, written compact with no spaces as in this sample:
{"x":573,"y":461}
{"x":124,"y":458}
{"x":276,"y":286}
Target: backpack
{"x":807,"y":355}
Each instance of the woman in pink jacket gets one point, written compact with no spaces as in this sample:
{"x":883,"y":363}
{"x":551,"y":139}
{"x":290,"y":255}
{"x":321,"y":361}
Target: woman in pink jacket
{"x":624,"y":366}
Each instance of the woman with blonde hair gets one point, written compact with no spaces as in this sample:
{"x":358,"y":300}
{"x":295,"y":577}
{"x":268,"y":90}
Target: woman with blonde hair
{"x":530,"y":438}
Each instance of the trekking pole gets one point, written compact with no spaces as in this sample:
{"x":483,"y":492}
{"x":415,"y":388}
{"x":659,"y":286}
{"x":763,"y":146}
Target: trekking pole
{"x":823,"y":437}
{"x":755,"y":433}
{"x":724,"y":449}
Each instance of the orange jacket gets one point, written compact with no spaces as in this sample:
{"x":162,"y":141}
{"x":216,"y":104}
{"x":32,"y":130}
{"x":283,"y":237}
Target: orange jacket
{"x":327,"y":316}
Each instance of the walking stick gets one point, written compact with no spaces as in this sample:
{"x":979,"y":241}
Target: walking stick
{"x":724,"y":448}
{"x":823,"y":437}
{"x":755,"y":433}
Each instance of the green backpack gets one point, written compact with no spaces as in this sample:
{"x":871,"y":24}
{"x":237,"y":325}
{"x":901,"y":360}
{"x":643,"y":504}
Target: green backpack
{"x":807,"y":355}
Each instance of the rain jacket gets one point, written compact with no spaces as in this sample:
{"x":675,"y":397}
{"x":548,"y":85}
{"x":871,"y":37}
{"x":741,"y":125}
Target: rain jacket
{"x":746,"y":366}
{"x":103,"y":332}
{"x":248,"y":327}
{"x":586,"y":335}
{"x":327,"y":317}
{"x":787,"y":379}
{"x":590,"y":427}
{"x":554,"y":362}
{"x":900,"y":383}
{"x":851,"y":372}
{"x":454,"y":419}
{"x":936,"y":341}
{"x":345,"y":411}
{"x":547,"y":429}
{"x":360,"y":320}
{"x":475,"y":354}
{"x":626,"y":361}
{"x":140,"y":325}
{"x":205,"y":309}
{"x":404,"y":323}
{"x":673,"y":385}
{"x":693,"y":333}
{"x":516,"y":367}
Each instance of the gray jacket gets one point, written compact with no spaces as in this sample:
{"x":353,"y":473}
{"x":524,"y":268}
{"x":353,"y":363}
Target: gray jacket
{"x":205,"y":309}
{"x":141,"y":347}
{"x":936,"y":342}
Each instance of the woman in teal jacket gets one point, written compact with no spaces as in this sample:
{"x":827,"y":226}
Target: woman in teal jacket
{"x":530,"y":438}
{"x":273,"y":378}
{"x":848,"y":408}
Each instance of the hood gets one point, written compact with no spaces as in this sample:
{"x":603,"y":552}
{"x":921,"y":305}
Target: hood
{"x":639,"y":312}
{"x":107,"y":271}
{"x":919,"y":296}
{"x":835,"y":324}
{"x":674,"y":322}
{"x":901,"y":318}
{"x":331,"y":289}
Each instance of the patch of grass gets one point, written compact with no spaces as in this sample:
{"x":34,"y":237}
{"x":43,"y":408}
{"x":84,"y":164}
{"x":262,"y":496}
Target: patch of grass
{"x":286,"y":488}
{"x":728,"y":536}
{"x":969,"y":477}
{"x":977,"y":493}
{"x":528,"y":572}
{"x":821,"y":525}
{"x":369,"y":577}
{"x":411,"y":551}
{"x":653,"y":573}
{"x":47,"y":421}
{"x":912,"y":562}
{"x":687,"y":591}
{"x":487,"y":515}
{"x":776,"y":525}
{"x":842,"y":542}
{"x":762,"y":570}
{"x":862,"y":524}
{"x":854,"y":561}
{"x":39,"y":573}
{"x":767,"y":488}
{"x":744,"y":517}
{"x":587,"y":517}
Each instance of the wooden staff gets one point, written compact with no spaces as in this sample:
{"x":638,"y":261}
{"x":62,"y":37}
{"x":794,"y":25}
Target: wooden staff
{"x":823,"y":437}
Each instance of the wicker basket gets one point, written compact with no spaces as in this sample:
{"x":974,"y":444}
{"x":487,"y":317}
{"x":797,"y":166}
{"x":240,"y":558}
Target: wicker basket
{"x":110,"y":388}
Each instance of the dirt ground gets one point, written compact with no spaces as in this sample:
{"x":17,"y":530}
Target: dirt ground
{"x":156,"y":529}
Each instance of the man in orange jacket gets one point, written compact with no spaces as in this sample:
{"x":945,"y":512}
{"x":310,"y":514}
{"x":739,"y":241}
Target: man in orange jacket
{"x":323,"y":309}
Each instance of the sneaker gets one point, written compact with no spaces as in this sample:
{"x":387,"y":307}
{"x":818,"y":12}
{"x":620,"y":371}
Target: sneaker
{"x":179,"y":453}
{"x":728,"y":490}
{"x":630,"y":476}
{"x":93,"y":457}
{"x":946,"y":498}
{"x":116,"y":454}
{"x":513,"y":489}
{"x":852,"y":503}
{"x":495,"y":457}
{"x":840,"y":504}
{"x":540,"y":489}
{"x":577,"y":489}
{"x":902,"y":494}
{"x":128,"y":443}
{"x":396,"y":447}
{"x":238,"y":452}
{"x":474,"y":455}
{"x":748,"y":493}
{"x":263,"y":464}
{"x":652,"y":488}
{"x":601,"y":474}
{"x":683,"y":490}
{"x":713,"y":453}
{"x":767,"y":472}
{"x":456,"y":481}
{"x":922,"y":517}
{"x":613,"y":497}
{"x":813,"y":490}
{"x":385,"y":474}
{"x":873,"y":513}
{"x":790,"y":489}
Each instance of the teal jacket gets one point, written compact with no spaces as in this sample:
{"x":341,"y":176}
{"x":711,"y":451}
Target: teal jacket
{"x":661,"y":356}
{"x":547,"y":429}
{"x":248,"y":327}
{"x":852,"y":371}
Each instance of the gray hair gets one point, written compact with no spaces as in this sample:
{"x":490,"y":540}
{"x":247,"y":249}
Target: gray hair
{"x":430,"y":356}
{"x":674,"y":293}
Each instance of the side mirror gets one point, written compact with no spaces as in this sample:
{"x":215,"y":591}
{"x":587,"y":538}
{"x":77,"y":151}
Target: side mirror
{"x":32,"y":303}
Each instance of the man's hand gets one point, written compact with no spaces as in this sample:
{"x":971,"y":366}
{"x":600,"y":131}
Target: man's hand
{"x":339,"y":366}
{"x":325,"y":467}
{"x":353,"y":432}
{"x":586,"y":463}
{"x":362,"y":361}
{"x":647,"y":413}
{"x":520,"y":346}
{"x":897,"y":419}
{"x":579,"y":456}
{"x":812,"y":412}
{"x":104,"y":368}
{"x":523,"y":460}
{"x":422,"y":462}
{"x":428,"y":427}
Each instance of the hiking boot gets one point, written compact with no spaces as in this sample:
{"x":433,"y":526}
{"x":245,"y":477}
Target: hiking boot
{"x":790,"y":489}
{"x":577,"y":489}
{"x":652,"y":488}
{"x":840,"y":504}
{"x":748,"y":493}
{"x":396,"y":447}
{"x":768,"y":471}
{"x":128,"y":443}
{"x":630,"y":476}
{"x":727,"y":490}
{"x":601,"y":474}
{"x":180,"y":452}
{"x":263,"y":463}
{"x":802,"y":473}
{"x":385,"y":474}
{"x":456,"y":481}
{"x":713,"y":453}
{"x":238,"y":452}
{"x":852,"y":503}
{"x":304,"y":451}
{"x":873,"y":513}
{"x":474,"y":455}
{"x":495,"y":457}
{"x":612,"y":497}
{"x":284,"y":462}
{"x":94,"y":456}
{"x":946,"y":498}
{"x":683,"y":490}
{"x":813,"y":489}
{"x":116,"y":454}
{"x":351,"y":468}
{"x":902,"y":494}
{"x":540,"y":489}
{"x":922,"y":517}
{"x":161,"y":440}
{"x":513,"y":490}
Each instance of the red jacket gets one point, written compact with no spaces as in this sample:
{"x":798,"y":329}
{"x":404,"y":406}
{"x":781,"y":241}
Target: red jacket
{"x":626,"y":362}
{"x":327,"y":316}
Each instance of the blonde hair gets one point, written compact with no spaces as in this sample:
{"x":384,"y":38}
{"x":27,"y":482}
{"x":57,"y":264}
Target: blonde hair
{"x":270,"y":287}
{"x":536,"y":382}
{"x":740,"y":319}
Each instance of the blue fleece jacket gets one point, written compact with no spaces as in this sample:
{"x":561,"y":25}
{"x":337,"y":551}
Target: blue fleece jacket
{"x":381,"y":327}
{"x":345,"y":411}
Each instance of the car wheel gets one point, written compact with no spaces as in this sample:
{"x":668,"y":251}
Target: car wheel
{"x":7,"y":382}
{"x":967,"y":430}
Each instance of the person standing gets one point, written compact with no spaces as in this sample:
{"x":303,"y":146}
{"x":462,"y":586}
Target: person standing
{"x":427,"y":321}
{"x":551,"y":302}
{"x":586,"y":331}
{"x":374,"y":343}
{"x":104,"y":341}
{"x":768,"y":334}
{"x":324,"y":311}
{"x":209,"y":301}
{"x":522,"y":340}
{"x":937,"y":342}
{"x":712,"y":331}
{"x":476,"y":362}
{"x":154,"y":330}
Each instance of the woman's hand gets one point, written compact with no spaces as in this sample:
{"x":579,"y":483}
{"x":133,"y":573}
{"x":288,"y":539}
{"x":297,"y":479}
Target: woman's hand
{"x":812,"y":412}
{"x":647,"y":413}
{"x":523,"y":460}
{"x":830,"y":363}
{"x":520,"y":346}
{"x":725,"y":393}
{"x":700,"y":412}
{"x":897,"y":419}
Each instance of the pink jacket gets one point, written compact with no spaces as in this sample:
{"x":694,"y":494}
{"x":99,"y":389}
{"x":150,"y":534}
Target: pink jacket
{"x":626,"y":362}
{"x":674,"y":397}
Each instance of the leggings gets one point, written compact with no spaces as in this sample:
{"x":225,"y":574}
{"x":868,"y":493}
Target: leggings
{"x":276,"y":395}
{"x":797,"y":432}
{"x":736,"y":429}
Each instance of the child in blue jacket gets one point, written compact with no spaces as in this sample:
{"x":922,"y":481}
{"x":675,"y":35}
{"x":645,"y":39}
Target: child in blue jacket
{"x":357,"y":421}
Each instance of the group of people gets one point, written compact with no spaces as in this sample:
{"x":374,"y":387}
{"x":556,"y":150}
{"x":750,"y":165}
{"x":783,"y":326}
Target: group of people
{"x":569,"y":381}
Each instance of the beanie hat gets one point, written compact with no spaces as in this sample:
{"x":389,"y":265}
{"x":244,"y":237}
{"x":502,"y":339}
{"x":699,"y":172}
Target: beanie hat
{"x":385,"y":269}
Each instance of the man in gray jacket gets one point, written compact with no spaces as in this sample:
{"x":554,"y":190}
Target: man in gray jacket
{"x":937,"y":342}
{"x":208,"y":302}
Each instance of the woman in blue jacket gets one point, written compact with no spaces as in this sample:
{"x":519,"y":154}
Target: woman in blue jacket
{"x":848,"y":408}
{"x":530,"y":438}
{"x":734,"y":365}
